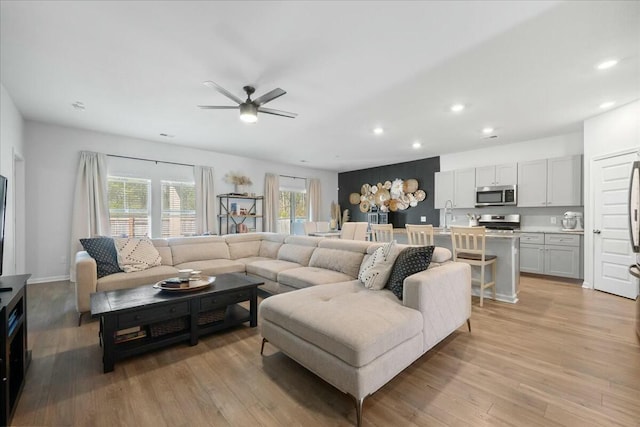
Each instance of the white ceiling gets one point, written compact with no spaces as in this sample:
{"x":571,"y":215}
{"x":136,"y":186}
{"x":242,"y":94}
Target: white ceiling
{"x":524,"y":68}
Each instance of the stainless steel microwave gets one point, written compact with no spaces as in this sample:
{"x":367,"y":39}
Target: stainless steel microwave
{"x":498,"y":195}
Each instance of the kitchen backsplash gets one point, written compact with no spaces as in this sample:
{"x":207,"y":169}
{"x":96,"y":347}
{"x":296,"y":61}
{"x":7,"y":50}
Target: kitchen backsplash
{"x":530,"y":218}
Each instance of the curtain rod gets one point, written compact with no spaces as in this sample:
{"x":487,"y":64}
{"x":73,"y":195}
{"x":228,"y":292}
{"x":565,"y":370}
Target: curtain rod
{"x":149,"y":160}
{"x":294,"y":177}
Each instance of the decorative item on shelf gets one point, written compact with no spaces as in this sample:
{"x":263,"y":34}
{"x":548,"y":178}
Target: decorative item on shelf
{"x":243,"y":211}
{"x":396,"y":195}
{"x":240,"y":182}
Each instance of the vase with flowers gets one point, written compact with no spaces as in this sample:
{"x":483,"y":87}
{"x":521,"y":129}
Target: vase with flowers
{"x":239,"y":181}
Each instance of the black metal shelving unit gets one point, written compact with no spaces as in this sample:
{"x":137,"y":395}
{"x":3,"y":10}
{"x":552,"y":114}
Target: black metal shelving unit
{"x":229,"y":219}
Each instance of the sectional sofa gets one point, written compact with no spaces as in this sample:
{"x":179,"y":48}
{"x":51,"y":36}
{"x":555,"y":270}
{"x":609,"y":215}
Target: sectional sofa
{"x":354,"y":338}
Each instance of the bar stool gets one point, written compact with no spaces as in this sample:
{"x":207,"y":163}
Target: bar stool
{"x":381,"y":232}
{"x":421,"y":235}
{"x":468,"y":245}
{"x":354,"y":230}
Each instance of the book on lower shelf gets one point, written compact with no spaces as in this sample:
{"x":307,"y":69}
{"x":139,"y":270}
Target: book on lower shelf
{"x":130,"y":334}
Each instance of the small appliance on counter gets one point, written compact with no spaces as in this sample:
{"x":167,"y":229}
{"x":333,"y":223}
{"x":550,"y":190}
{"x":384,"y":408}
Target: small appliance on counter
{"x":572,"y":221}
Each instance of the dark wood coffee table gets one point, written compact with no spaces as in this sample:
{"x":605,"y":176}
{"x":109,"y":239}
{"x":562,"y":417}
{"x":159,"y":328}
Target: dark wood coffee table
{"x":170,"y":317}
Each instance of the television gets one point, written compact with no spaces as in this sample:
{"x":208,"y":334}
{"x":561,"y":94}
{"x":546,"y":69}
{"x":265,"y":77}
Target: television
{"x":3,"y":209}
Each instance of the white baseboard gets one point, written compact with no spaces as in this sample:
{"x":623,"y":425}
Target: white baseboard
{"x":586,"y":285}
{"x":48,"y":279}
{"x":512,"y":299}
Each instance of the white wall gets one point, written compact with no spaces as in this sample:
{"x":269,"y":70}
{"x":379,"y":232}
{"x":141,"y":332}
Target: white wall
{"x":12,"y":167}
{"x":612,"y":132}
{"x":52,"y":154}
{"x":545,"y":148}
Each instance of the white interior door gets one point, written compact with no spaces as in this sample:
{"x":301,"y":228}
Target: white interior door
{"x":612,"y":250}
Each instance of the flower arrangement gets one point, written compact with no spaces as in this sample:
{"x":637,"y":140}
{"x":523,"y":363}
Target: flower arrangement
{"x":237,"y":179}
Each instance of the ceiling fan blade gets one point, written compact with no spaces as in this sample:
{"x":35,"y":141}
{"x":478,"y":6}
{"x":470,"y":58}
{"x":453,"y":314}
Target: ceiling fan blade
{"x":218,"y":107}
{"x":223,"y":91}
{"x":278,"y":112}
{"x":269,"y":96}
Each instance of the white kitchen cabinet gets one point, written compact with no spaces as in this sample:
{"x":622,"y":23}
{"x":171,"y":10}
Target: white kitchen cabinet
{"x":550,"y":182}
{"x":564,"y":181}
{"x":505,"y":174}
{"x":532,"y":183}
{"x":553,"y":254}
{"x":443,"y":189}
{"x":464,"y":194}
{"x":458,"y":186}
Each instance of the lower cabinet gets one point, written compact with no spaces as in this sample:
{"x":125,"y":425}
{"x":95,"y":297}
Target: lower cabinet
{"x":553,"y":254}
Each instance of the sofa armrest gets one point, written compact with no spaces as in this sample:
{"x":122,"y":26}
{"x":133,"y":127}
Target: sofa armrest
{"x":443,"y":296}
{"x":86,"y":280}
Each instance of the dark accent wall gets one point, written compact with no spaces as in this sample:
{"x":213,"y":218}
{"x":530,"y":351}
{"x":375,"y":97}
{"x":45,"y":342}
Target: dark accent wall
{"x":423,"y":170}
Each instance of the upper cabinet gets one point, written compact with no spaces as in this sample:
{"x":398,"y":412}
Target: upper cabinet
{"x":550,"y":182}
{"x":506,"y":174}
{"x":464,"y":195}
{"x":457,"y":186}
{"x":443,"y":188}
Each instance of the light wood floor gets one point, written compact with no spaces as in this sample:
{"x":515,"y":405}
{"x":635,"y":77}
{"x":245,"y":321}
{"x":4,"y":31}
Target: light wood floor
{"x":561,"y":356}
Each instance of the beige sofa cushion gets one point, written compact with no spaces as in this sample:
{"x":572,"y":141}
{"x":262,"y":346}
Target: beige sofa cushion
{"x":346,"y":262}
{"x":304,"y":277}
{"x":252,"y":259}
{"x":244,"y":249}
{"x":137,"y":278}
{"x":165,"y":251}
{"x":199,"y":252}
{"x":319,"y":314}
{"x":296,"y":253}
{"x":269,"y":249}
{"x":212,"y":267}
{"x":270,"y":269}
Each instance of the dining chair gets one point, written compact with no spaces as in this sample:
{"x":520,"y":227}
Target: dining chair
{"x":420,"y":235}
{"x":468,"y":245}
{"x":381,"y":232}
{"x":309,"y":227}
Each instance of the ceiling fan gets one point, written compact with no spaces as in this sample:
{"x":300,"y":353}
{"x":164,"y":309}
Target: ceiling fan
{"x":250,"y":107}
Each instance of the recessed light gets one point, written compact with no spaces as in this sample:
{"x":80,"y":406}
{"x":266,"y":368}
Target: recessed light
{"x":416,"y":145}
{"x":303,"y":161}
{"x":607,"y":104}
{"x":487,"y":130}
{"x":607,"y":64}
{"x":456,"y":108}
{"x":166,"y":135}
{"x":378,"y":130}
{"x":78,"y":105}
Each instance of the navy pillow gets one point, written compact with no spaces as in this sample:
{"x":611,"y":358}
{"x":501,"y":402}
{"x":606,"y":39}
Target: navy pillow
{"x":103,"y":250}
{"x":410,"y":261}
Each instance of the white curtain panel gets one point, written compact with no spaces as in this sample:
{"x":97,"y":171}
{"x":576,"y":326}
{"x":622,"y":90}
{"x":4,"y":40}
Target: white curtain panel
{"x":271,"y":198}
{"x":313,"y":199}
{"x":90,"y":216}
{"x":205,"y":200}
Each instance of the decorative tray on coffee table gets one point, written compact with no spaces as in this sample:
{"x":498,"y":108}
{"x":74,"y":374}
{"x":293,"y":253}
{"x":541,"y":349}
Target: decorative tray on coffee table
{"x":175,"y":285}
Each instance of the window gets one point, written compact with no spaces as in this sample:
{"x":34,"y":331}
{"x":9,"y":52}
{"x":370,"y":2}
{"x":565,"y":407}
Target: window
{"x":178,"y":209}
{"x":291,"y":212}
{"x":129,"y":212}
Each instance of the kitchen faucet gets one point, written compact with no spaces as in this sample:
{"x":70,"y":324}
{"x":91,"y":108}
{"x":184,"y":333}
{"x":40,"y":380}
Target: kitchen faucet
{"x":448,"y":210}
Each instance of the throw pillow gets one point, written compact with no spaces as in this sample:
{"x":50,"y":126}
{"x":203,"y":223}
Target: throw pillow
{"x":375,"y":270}
{"x":410,"y":261}
{"x":136,"y":254}
{"x":103,"y":250}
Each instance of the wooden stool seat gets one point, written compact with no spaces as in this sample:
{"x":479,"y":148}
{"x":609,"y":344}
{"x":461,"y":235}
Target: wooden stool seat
{"x":468,"y":245}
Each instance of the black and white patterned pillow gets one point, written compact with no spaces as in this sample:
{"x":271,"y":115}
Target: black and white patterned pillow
{"x":375,"y":270}
{"x":103,"y":250}
{"x":410,"y":261}
{"x":136,"y":254}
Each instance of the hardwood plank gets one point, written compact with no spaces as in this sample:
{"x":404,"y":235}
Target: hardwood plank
{"x":562,"y":356}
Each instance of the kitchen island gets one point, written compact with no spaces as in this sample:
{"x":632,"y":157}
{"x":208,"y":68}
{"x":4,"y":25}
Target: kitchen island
{"x":505,"y":246}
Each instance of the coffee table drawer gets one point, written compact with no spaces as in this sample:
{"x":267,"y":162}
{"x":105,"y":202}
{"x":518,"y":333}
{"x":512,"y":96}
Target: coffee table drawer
{"x":153,"y":314}
{"x":214,"y":301}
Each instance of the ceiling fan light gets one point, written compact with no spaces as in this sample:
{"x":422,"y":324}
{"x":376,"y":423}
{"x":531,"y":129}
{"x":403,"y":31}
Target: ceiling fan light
{"x":248,"y":113}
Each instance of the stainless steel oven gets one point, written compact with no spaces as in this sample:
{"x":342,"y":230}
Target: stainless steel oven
{"x":498,"y":195}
